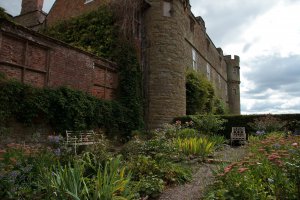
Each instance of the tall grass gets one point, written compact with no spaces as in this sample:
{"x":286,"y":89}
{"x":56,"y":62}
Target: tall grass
{"x":75,"y":181}
{"x":111,"y":183}
{"x":195,"y":146}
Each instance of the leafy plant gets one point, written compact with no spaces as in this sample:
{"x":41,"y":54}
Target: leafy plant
{"x":67,"y":181}
{"x":111,"y":183}
{"x":195,"y":146}
{"x":199,"y":94}
{"x":188,"y":133}
{"x":150,"y":186}
{"x":208,"y":123}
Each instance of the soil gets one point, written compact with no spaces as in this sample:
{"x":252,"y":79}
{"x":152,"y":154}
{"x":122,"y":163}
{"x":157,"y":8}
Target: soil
{"x":203,"y":175}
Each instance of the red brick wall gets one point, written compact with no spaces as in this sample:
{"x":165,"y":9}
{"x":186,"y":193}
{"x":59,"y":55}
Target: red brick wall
{"x":44,"y":62}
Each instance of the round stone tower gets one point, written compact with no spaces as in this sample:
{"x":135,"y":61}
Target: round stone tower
{"x":164,"y":69}
{"x":233,"y":75}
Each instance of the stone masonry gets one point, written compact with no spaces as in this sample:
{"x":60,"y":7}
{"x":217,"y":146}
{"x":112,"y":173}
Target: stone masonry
{"x":171,"y":39}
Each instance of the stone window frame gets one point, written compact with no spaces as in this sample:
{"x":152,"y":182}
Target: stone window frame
{"x":167,"y":8}
{"x":235,"y":70}
{"x":88,"y":1}
{"x":208,"y":71}
{"x":194,"y":59}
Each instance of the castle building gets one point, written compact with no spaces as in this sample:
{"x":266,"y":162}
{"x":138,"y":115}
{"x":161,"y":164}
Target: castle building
{"x":171,"y":39}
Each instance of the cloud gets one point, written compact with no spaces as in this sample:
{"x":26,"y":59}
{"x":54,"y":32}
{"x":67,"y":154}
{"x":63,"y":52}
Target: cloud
{"x":225,"y":21}
{"x":275,"y":84}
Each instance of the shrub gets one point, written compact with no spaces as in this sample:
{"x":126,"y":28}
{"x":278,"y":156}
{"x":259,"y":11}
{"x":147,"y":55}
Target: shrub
{"x":199,"y":94}
{"x":188,"y":133}
{"x":208,"y":123}
{"x":150,"y":186}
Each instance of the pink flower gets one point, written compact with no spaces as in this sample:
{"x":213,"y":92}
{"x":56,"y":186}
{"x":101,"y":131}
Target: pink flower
{"x":242,"y":169}
{"x":295,"y":144}
{"x":227,"y":169}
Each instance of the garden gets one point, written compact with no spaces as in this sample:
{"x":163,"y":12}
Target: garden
{"x":149,"y":163}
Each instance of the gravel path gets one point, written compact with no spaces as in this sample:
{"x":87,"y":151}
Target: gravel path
{"x":202,"y":176}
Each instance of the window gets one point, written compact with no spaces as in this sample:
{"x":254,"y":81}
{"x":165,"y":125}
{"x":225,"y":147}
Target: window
{"x":235,"y":70}
{"x":167,"y":9}
{"x":208,"y":71}
{"x":88,"y":1}
{"x":226,"y":90}
{"x":235,"y":91}
{"x":194,"y":55}
{"x":219,"y":79}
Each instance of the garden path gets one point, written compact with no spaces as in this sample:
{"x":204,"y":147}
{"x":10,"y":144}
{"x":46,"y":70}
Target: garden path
{"x":202,"y":176}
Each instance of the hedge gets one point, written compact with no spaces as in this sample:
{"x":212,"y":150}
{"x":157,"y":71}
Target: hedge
{"x":244,"y":120}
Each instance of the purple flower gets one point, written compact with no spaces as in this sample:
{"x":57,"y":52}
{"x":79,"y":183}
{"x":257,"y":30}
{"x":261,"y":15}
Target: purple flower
{"x":57,"y":152}
{"x":260,"y":132}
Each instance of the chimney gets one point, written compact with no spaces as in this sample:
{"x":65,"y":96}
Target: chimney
{"x":31,"y":6}
{"x":32,"y":15}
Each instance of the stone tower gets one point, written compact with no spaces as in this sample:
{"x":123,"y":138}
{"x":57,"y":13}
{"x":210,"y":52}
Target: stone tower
{"x":164,"y":69}
{"x":233,"y":75}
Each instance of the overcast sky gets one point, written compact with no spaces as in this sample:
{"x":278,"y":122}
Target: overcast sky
{"x":266,"y":36}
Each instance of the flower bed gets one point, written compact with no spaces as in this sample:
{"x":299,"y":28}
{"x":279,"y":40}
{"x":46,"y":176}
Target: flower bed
{"x":270,"y":171}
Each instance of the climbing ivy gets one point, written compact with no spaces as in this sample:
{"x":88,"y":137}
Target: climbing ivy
{"x":97,"y":32}
{"x":63,"y":108}
{"x":200,"y":96}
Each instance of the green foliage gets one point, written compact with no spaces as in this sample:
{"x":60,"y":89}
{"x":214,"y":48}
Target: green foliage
{"x":195,"y":146}
{"x":63,"y":108}
{"x":20,"y":172}
{"x":145,"y":170}
{"x":188,"y":133}
{"x":220,"y":107}
{"x":3,"y":14}
{"x":110,"y":183}
{"x":199,"y":94}
{"x":150,"y":186}
{"x":245,"y":121}
{"x":97,"y":32}
{"x":66,"y":182}
{"x":94,"y":32}
{"x":208,"y":123}
{"x":270,"y":171}
{"x":267,"y":123}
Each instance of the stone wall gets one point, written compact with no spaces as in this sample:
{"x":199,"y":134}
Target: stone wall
{"x":165,"y":68}
{"x":41,"y":61}
{"x":233,"y":71}
{"x":171,"y":38}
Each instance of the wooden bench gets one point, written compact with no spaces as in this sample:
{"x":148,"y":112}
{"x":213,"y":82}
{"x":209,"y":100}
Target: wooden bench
{"x":78,"y":138}
{"x":238,"y":134}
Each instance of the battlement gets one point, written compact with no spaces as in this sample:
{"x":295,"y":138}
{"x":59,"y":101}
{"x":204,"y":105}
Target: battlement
{"x":235,"y":61}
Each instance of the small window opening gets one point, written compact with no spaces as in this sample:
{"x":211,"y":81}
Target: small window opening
{"x":167,"y":7}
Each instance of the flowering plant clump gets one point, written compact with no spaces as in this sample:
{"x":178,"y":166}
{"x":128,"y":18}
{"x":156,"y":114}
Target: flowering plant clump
{"x":270,"y":171}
